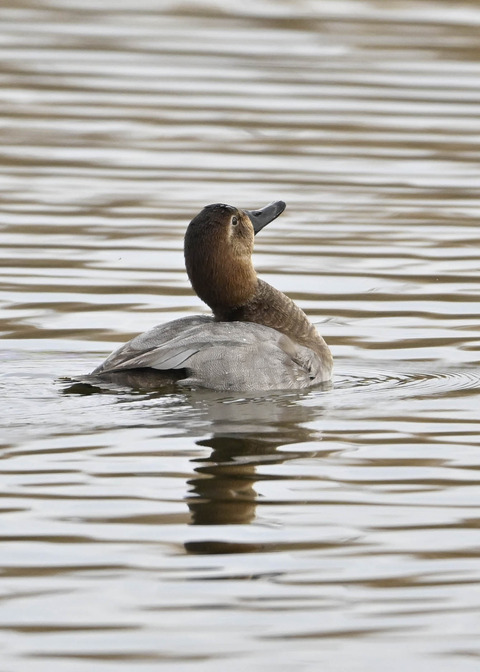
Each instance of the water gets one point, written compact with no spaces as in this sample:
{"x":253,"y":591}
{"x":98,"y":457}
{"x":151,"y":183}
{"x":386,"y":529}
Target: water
{"x":336,"y":529}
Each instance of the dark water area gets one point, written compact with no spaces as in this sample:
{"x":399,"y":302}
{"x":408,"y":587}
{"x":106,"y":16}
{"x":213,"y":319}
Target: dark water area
{"x":335,"y":529}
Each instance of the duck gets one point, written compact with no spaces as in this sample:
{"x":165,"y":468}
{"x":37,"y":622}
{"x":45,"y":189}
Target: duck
{"x":256,"y":339}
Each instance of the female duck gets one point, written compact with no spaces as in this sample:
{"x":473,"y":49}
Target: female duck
{"x":257,"y":338}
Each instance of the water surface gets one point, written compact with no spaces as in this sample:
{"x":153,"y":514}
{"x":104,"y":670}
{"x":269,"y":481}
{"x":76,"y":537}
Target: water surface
{"x":193,"y":531}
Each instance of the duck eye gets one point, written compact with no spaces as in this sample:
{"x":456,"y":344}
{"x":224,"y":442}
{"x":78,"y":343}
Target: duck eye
{"x":234,"y":221}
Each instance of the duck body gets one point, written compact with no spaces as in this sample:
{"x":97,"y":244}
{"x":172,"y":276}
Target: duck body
{"x":238,"y":356}
{"x":257,"y":338}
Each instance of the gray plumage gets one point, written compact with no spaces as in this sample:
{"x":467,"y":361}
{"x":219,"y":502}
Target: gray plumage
{"x":220,"y":356}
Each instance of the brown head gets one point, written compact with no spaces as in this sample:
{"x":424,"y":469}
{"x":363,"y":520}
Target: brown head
{"x":218,"y":254}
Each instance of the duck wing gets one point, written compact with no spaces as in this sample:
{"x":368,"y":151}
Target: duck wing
{"x":220,"y":355}
{"x":166,"y":346}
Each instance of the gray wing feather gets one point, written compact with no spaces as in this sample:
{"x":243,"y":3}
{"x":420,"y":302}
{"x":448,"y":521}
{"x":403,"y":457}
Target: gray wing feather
{"x":161,"y":359}
{"x":156,"y":347}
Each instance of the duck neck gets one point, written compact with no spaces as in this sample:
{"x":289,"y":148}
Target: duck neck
{"x":220,"y":288}
{"x":272,"y":308}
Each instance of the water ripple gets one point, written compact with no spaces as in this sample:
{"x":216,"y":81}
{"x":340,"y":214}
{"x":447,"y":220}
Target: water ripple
{"x":427,"y":384}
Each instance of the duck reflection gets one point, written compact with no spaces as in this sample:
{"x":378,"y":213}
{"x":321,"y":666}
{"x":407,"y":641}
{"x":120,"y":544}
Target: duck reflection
{"x":246,"y":435}
{"x":223,"y":489}
{"x":223,"y":492}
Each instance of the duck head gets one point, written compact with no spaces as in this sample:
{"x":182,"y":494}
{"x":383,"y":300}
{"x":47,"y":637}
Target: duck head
{"x":218,"y":254}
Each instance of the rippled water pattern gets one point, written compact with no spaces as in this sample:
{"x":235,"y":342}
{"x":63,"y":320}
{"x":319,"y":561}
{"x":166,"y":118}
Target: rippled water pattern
{"x":197,"y":532}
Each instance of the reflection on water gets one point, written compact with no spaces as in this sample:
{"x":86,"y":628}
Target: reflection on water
{"x":249,"y":435}
{"x":332,"y":529}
